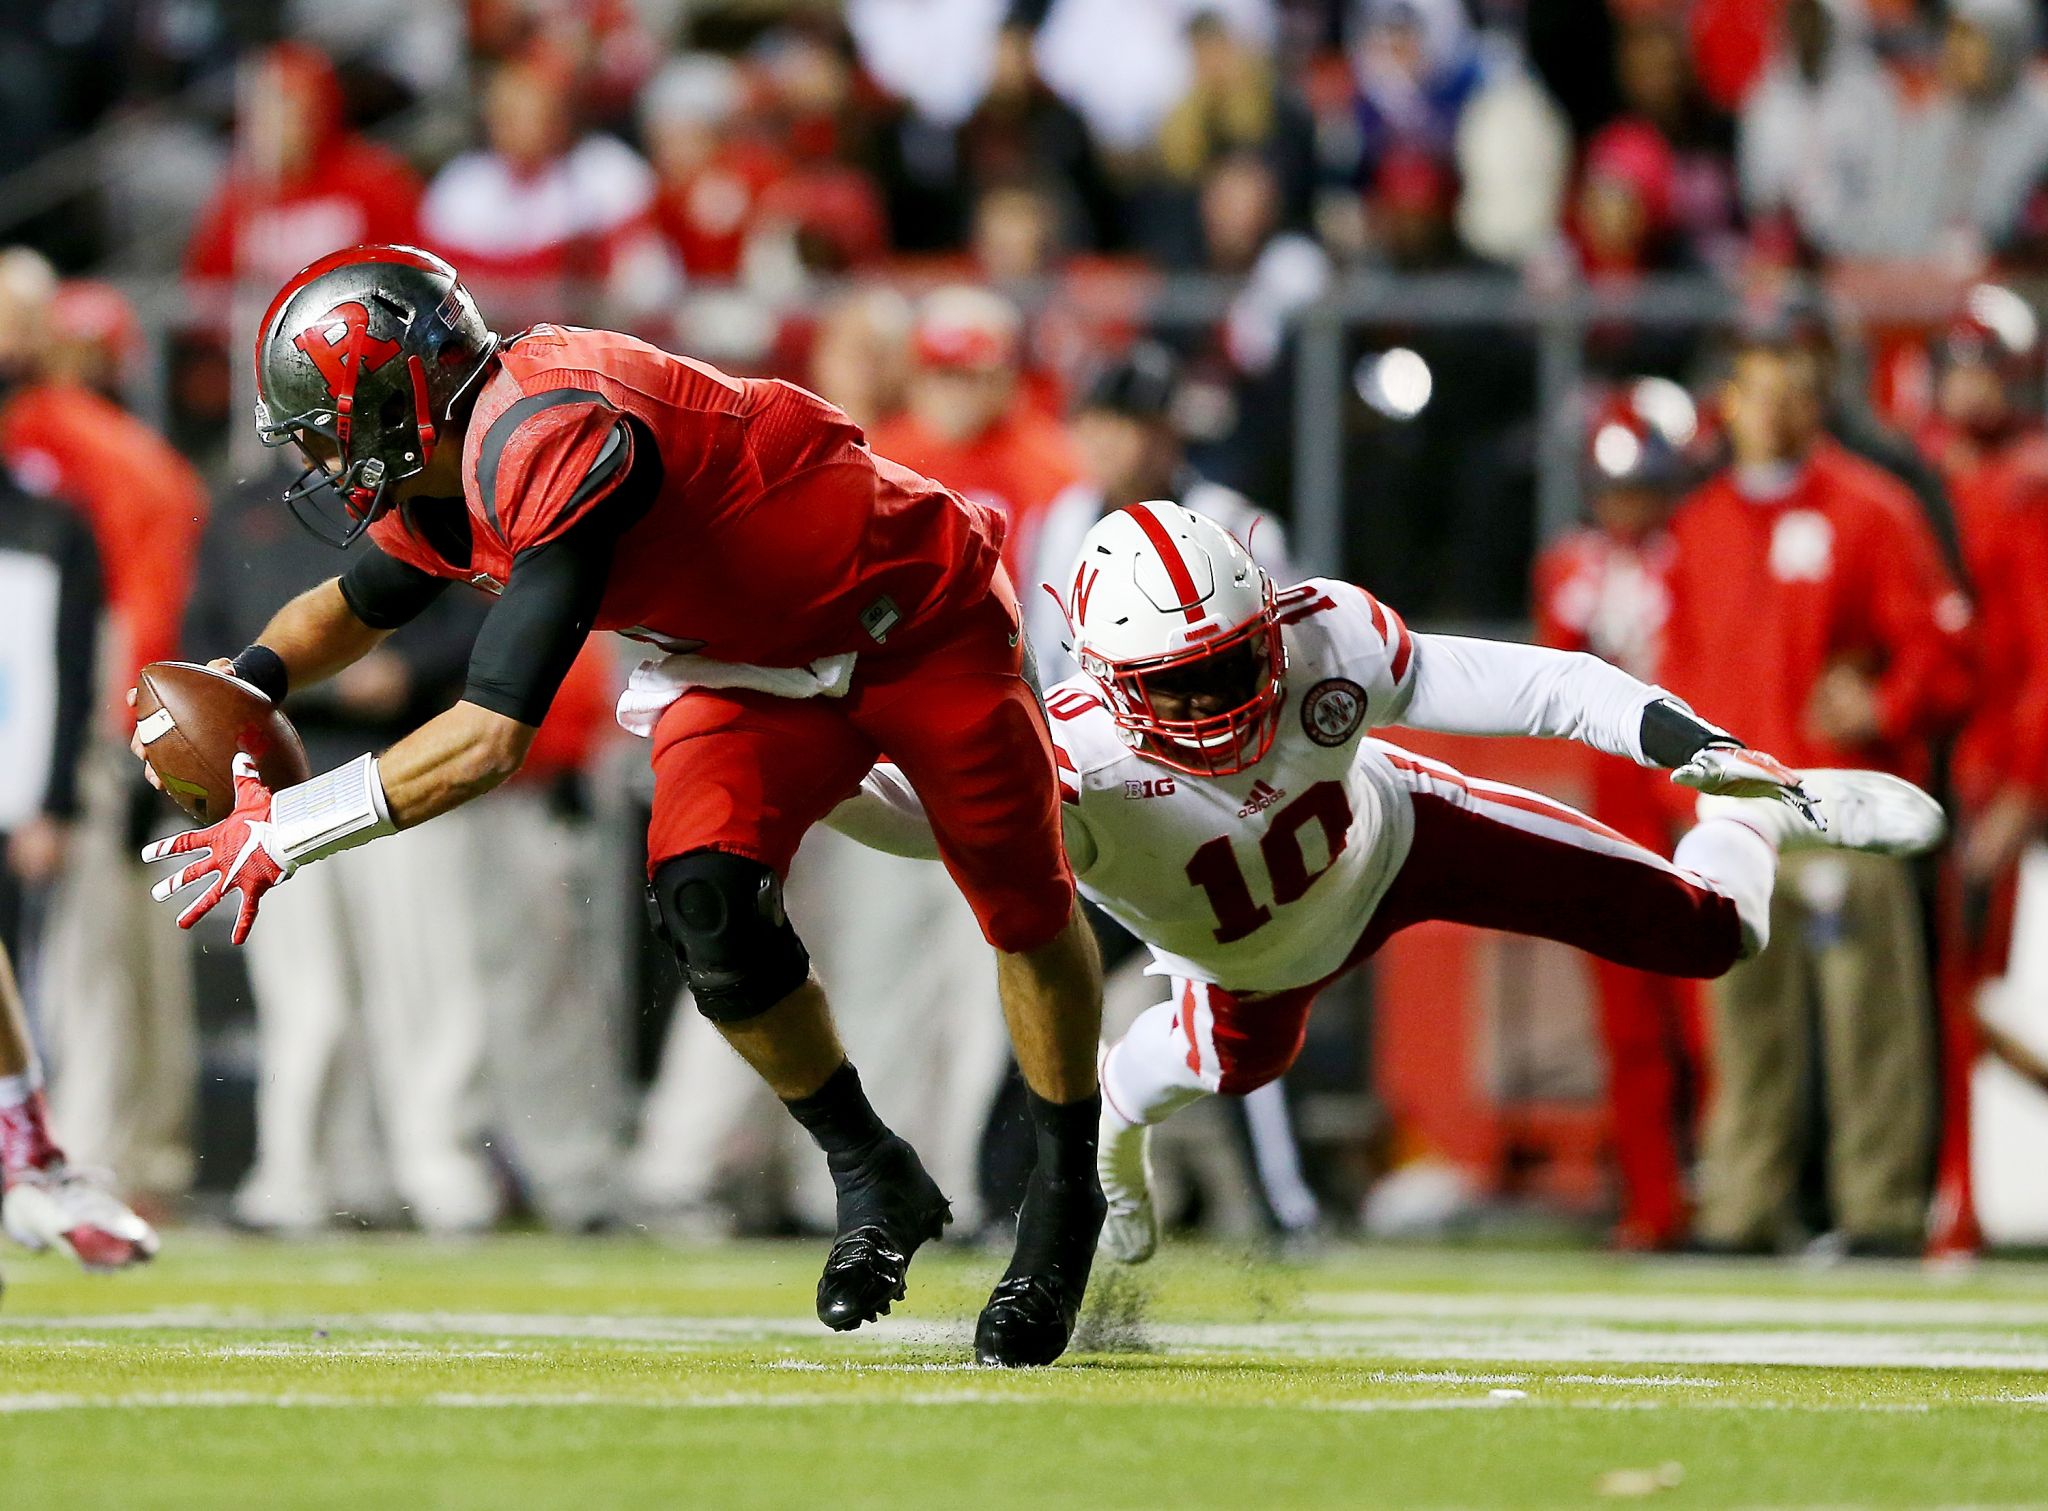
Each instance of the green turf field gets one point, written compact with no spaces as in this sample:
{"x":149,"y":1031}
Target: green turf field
{"x":525,"y":1372}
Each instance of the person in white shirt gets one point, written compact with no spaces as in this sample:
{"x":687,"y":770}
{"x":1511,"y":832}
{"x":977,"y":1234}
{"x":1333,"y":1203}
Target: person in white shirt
{"x":1226,"y":802}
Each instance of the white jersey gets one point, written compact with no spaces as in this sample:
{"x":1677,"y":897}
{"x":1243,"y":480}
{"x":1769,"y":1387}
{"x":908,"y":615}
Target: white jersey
{"x":1263,"y":880}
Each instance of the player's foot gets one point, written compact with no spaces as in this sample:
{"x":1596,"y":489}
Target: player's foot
{"x":60,"y":1208}
{"x":1123,"y":1159}
{"x":1870,"y":811}
{"x":1031,"y":1314}
{"x":888,"y":1206}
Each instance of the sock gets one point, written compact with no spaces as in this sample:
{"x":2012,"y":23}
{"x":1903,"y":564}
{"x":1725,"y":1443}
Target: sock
{"x":1065,"y":1134}
{"x":25,"y":1142}
{"x":1145,"y":1074}
{"x":839,"y":1119}
{"x":1740,"y":861}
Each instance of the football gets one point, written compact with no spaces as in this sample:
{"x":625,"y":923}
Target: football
{"x":192,"y":720}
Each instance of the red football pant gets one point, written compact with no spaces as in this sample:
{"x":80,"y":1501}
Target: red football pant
{"x":1484,"y":854}
{"x":748,"y":773}
{"x":1652,"y":1028}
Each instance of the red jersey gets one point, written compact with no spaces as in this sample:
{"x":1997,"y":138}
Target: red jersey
{"x":2001,"y":506}
{"x":1767,"y":596}
{"x":1599,"y":594}
{"x":775,"y":536}
{"x":261,"y":233}
{"x":146,"y":505}
{"x":1596,"y":593}
{"x":1018,"y":465}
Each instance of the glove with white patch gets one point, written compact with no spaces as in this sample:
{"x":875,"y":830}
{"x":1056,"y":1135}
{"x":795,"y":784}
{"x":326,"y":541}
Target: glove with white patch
{"x":1731,"y":770}
{"x":244,"y":854}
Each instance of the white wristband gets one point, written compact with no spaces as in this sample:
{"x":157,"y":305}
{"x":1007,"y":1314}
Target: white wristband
{"x":335,"y":811}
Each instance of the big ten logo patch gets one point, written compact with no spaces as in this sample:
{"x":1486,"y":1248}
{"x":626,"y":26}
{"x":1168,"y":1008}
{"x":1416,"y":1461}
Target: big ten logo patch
{"x":1149,"y":787}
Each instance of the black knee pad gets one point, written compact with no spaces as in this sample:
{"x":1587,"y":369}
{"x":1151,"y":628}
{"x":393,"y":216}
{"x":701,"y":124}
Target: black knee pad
{"x":723,"y":916}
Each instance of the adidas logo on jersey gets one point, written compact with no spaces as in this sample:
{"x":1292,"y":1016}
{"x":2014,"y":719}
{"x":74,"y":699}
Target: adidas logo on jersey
{"x":1260,"y":798}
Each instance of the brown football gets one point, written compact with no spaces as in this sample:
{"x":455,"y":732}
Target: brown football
{"x":193,"y":720}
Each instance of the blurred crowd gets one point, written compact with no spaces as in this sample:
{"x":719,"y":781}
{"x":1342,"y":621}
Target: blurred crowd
{"x":1052,"y":252}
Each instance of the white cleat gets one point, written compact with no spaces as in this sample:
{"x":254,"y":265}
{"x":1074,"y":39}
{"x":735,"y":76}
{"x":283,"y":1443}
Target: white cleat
{"x":1870,"y":811}
{"x":1123,"y":1160}
{"x":64,"y":1209}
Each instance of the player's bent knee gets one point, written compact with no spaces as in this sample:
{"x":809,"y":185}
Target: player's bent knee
{"x":723,"y":916}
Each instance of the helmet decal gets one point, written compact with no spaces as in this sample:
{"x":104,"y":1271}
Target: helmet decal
{"x":341,"y":346}
{"x":1084,"y":587}
{"x":1177,"y":571}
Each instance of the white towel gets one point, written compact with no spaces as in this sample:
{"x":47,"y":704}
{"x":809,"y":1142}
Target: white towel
{"x":656,"y":684}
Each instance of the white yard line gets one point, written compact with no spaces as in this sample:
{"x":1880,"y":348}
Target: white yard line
{"x":27,"y":1403}
{"x":1472,"y":1335}
{"x":1703,"y":1310}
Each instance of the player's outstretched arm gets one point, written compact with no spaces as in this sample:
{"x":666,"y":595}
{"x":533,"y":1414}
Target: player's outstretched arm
{"x":1492,"y":687}
{"x":885,"y":815}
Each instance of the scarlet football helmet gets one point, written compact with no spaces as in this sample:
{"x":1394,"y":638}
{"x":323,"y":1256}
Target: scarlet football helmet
{"x":1176,"y":624}
{"x":359,"y":360}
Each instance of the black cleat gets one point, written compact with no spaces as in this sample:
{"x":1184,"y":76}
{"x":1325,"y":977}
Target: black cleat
{"x":1030,"y":1315}
{"x":888,"y":1206}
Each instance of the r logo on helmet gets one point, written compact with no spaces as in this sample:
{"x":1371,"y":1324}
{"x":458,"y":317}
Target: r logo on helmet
{"x":1332,"y":711}
{"x":341,"y":333}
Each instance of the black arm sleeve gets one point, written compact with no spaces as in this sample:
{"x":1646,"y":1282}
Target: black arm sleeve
{"x":533,"y":632}
{"x":1673,"y":735}
{"x":78,"y":619}
{"x":385,"y":592}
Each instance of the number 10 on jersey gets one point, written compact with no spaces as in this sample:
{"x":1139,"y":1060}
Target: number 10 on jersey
{"x":1216,"y":869}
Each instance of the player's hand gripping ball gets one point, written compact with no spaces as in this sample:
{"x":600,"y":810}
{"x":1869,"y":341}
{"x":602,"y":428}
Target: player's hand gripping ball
{"x":190,"y":724}
{"x":241,"y":855}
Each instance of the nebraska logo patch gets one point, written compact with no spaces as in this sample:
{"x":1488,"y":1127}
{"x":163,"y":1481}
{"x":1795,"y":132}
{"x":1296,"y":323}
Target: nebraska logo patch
{"x":1333,"y":710}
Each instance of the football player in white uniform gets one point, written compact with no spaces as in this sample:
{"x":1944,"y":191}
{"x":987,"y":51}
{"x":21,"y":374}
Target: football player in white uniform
{"x":1226,"y":802}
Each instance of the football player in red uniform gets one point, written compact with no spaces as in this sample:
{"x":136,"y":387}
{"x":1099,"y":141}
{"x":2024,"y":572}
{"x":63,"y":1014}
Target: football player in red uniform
{"x":817,"y":605}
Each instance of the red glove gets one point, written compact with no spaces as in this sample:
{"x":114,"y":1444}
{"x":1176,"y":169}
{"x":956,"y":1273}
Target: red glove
{"x":242,"y":855}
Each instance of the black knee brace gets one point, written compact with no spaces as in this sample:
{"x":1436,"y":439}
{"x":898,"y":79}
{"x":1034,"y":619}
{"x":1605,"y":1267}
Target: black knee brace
{"x":723,"y":916}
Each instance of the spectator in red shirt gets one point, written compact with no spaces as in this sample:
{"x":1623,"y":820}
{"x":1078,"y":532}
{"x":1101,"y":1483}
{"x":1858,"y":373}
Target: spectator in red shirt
{"x":300,"y":184}
{"x":1993,"y":452}
{"x":125,"y":1043}
{"x":1604,"y":589}
{"x":966,"y":424}
{"x":711,"y":172}
{"x":543,"y":204}
{"x":1988,"y":441}
{"x":1810,"y":610}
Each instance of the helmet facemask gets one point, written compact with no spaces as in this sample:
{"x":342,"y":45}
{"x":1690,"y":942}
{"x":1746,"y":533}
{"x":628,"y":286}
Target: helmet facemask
{"x":1211,"y":709}
{"x":346,"y":484}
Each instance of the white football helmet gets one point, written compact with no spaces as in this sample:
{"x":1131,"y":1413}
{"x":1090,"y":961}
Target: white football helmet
{"x":1175,"y":622}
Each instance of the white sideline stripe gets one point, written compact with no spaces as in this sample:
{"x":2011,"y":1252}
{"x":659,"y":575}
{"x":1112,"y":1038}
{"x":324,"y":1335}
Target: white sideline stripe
{"x":52,"y":1401}
{"x":1426,"y":1337}
{"x":1705,"y":1308}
